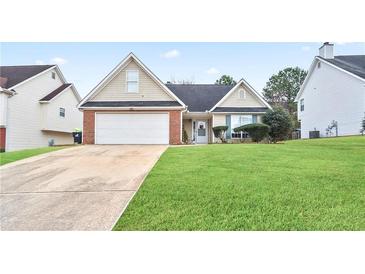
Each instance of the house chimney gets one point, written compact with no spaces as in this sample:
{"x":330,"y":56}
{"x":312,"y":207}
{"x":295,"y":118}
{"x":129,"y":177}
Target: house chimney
{"x":326,"y":50}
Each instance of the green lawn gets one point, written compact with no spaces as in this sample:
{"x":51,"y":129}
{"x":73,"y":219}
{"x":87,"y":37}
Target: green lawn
{"x":8,"y":157}
{"x":300,"y":185}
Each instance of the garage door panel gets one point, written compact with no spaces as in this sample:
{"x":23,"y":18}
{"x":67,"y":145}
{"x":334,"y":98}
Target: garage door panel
{"x":146,"y":128}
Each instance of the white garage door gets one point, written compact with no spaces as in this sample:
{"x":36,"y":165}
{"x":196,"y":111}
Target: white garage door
{"x":132,"y":128}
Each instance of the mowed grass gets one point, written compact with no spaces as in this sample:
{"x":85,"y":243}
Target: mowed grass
{"x":300,"y":185}
{"x":12,"y":156}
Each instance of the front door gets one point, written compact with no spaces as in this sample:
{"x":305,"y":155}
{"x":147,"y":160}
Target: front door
{"x":201,"y":131}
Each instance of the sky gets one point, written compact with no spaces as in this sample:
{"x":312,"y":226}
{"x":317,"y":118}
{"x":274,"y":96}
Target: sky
{"x":86,"y":64}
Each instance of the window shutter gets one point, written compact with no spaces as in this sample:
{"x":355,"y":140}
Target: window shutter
{"x":228,"y":123}
{"x":254,"y":119}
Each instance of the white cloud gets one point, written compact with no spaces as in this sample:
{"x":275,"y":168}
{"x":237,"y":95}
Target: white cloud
{"x":171,"y":54}
{"x":59,"y":60}
{"x":39,"y":62}
{"x":305,"y":48}
{"x":212,"y":71}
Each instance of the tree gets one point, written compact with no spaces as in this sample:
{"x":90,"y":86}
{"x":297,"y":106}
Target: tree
{"x":280,"y":123}
{"x":225,"y":80}
{"x":257,"y":131}
{"x":362,"y":130}
{"x":220,"y":132}
{"x":282,"y":88}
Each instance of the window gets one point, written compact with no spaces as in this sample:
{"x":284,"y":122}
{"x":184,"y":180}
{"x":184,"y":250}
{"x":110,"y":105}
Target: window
{"x":242,"y":94}
{"x":301,"y":104}
{"x":53,"y":75}
{"x":319,"y":65}
{"x":62,"y":112}
{"x":240,"y":120}
{"x":132,"y":80}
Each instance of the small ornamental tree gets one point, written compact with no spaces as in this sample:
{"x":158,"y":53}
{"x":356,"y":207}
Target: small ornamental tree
{"x":185,"y":137}
{"x":362,"y":130}
{"x":220,"y":132}
{"x":257,"y":132}
{"x":279,"y":122}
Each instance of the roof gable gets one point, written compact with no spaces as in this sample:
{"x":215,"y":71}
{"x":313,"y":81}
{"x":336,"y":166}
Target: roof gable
{"x":254,"y":96}
{"x":120,"y":67}
{"x":351,"y":64}
{"x":234,"y":100}
{"x":14,"y":75}
{"x":115,"y":89}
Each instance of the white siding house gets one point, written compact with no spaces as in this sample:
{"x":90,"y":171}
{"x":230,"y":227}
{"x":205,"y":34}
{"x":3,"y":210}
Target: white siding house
{"x":31,"y":101}
{"x":334,"y":90}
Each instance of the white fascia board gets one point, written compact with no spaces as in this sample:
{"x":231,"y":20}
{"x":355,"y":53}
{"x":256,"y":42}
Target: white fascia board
{"x":60,"y":74}
{"x":7,"y":91}
{"x":242,"y":81}
{"x":31,"y":78}
{"x":119,"y":67}
{"x":132,"y":108}
{"x":311,"y":68}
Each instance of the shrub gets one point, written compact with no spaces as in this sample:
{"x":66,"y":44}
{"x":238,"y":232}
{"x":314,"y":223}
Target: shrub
{"x":279,"y":122}
{"x":185,"y":137}
{"x":257,"y":132}
{"x":220,"y":132}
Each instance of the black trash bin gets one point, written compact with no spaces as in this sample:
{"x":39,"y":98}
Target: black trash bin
{"x":77,"y":137}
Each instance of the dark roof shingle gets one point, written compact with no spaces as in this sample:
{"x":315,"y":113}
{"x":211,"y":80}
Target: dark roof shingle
{"x":17,"y":74}
{"x":351,"y":63}
{"x":54,"y":93}
{"x":200,"y":98}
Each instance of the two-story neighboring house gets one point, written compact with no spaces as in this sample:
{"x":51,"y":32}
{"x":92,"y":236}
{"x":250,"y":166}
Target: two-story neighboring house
{"x":38,"y":107}
{"x":333,"y":93}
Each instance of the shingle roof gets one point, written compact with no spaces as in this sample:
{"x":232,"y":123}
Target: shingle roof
{"x":54,"y":93}
{"x":17,"y":74}
{"x":131,"y":104}
{"x":351,"y":63}
{"x":200,"y":98}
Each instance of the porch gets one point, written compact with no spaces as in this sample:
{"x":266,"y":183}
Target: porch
{"x":198,"y":127}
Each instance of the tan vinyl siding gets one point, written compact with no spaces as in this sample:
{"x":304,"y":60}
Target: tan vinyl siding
{"x":218,"y":120}
{"x":116,"y":89}
{"x":234,"y":100}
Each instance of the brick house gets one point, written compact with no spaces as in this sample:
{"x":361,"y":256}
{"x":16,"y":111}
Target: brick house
{"x":132,"y":106}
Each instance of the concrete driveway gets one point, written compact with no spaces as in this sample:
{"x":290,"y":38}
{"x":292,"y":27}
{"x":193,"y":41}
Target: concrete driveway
{"x":81,"y":188}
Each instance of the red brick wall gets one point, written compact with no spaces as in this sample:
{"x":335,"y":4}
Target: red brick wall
{"x":89,"y":125}
{"x":2,"y":138}
{"x":88,"y":134}
{"x":175,"y":127}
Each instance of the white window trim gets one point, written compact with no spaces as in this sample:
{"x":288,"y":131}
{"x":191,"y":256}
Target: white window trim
{"x":126,"y":80}
{"x":244,"y":94}
{"x":64,"y":112}
{"x":240,"y":133}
